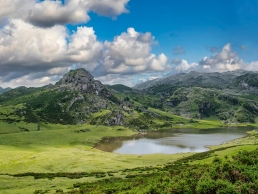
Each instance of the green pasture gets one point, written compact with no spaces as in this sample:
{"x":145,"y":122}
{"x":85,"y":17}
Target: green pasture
{"x":62,"y":148}
{"x":57,"y":148}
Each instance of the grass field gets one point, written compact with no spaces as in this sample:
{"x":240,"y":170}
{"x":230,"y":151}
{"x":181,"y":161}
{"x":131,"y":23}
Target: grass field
{"x":62,"y":148}
{"x":59,"y":148}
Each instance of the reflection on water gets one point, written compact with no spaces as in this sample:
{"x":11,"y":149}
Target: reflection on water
{"x":171,"y":142}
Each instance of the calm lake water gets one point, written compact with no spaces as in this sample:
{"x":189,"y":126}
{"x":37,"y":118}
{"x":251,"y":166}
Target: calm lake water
{"x":172,"y":141}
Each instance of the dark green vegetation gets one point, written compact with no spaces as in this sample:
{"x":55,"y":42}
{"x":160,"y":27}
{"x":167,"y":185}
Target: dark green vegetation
{"x":206,"y":103}
{"x":120,"y":88}
{"x":230,"y":97}
{"x":2,"y":90}
{"x":236,"y":174}
{"x":248,"y":79}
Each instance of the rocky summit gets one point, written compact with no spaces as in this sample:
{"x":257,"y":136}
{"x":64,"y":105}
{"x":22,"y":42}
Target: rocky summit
{"x":82,"y":80}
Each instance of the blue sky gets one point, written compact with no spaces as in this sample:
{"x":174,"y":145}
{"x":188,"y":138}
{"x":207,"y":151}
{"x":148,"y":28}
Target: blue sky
{"x":125,"y":41}
{"x":195,"y":25}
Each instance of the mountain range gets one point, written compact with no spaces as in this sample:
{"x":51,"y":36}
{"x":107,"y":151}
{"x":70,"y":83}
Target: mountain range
{"x":78,"y":98}
{"x":231,"y":79}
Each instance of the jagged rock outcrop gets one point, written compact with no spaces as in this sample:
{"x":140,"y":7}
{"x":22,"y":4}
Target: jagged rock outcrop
{"x":81,"y":80}
{"x":76,"y":99}
{"x":116,"y":118}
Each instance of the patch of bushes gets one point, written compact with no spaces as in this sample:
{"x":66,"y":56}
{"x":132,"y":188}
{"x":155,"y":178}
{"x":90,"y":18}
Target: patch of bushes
{"x":243,"y":116}
{"x":236,"y":176}
{"x":23,"y":129}
{"x":75,"y":175}
{"x":81,"y":131}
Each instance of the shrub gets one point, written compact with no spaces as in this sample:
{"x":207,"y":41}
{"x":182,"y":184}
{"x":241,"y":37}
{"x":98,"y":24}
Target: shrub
{"x":206,"y":185}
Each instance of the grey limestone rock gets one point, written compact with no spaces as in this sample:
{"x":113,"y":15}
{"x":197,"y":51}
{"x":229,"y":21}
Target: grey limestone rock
{"x":78,"y":98}
{"x":81,"y":80}
{"x":116,"y":118}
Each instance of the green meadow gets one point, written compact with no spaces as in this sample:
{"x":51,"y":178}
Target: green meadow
{"x":57,"y":156}
{"x":62,"y":148}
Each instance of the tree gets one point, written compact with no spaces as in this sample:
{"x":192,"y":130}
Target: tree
{"x":38,"y":126}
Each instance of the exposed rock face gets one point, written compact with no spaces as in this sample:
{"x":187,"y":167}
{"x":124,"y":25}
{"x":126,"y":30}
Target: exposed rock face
{"x":80,"y":95}
{"x":78,"y":98}
{"x":82,"y":80}
{"x":116,"y":118}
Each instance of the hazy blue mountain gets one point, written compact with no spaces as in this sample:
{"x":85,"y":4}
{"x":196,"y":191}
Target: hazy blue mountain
{"x":2,"y":90}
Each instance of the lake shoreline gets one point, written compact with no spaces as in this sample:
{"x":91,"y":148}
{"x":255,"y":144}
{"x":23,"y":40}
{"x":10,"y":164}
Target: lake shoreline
{"x":192,"y":145}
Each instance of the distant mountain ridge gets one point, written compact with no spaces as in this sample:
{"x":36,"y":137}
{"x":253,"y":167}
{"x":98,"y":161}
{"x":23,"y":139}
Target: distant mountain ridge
{"x":2,"y":90}
{"x":194,"y":78}
{"x":230,"y":96}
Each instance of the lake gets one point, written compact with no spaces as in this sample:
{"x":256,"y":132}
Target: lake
{"x":172,"y":141}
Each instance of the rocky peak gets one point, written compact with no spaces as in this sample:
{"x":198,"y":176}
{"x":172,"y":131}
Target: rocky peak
{"x":77,"y":76}
{"x":81,"y":80}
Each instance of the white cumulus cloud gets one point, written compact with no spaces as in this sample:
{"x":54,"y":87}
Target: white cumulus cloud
{"x":225,"y":60}
{"x":32,"y":53}
{"x":185,"y":66}
{"x":49,"y":13}
{"x":131,"y":52}
{"x":25,"y":48}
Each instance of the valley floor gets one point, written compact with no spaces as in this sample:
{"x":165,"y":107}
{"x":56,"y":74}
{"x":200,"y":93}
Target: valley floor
{"x":59,"y":156}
